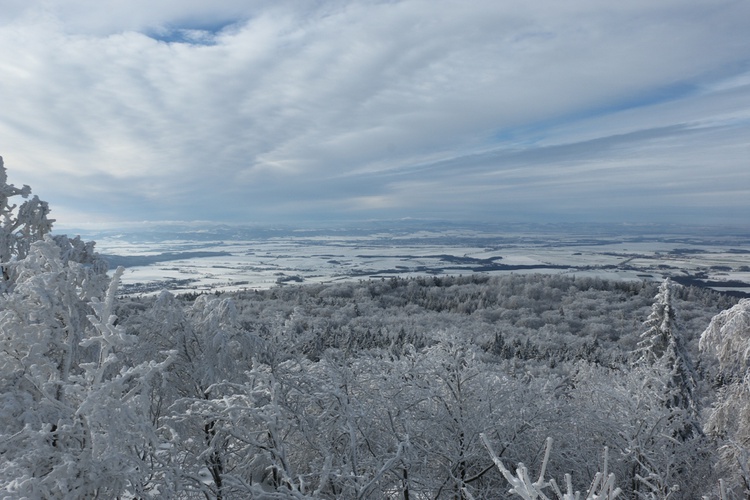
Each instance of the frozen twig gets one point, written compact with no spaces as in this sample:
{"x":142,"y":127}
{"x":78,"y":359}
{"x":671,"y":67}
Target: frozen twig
{"x":602,"y":488}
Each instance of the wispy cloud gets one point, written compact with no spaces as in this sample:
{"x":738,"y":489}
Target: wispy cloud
{"x":286,"y":110}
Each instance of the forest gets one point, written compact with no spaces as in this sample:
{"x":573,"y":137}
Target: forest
{"x":445,"y":387}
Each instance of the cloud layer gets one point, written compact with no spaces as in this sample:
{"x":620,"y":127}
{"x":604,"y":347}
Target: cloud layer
{"x":292,"y":111}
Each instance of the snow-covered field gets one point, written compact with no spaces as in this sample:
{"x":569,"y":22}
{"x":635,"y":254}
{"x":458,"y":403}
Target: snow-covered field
{"x":238,"y":262}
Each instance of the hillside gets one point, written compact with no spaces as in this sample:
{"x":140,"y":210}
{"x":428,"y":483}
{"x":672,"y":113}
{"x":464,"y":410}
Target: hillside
{"x":405,"y":374}
{"x":421,"y":387}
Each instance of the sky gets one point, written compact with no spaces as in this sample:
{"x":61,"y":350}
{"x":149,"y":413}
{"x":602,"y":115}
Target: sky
{"x":302,"y":111}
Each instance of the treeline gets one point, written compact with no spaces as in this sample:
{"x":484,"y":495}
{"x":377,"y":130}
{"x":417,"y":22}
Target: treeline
{"x":535,"y":316}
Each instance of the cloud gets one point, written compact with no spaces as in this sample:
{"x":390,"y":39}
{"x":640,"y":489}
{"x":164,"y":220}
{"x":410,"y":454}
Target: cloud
{"x":92,"y":17}
{"x":265,"y":110}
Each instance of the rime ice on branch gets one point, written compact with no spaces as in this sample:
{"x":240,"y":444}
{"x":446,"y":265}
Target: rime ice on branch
{"x":728,"y":339}
{"x":19,"y":225}
{"x":602,"y":488}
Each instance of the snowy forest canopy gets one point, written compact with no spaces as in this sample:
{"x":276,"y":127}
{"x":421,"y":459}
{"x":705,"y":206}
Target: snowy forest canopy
{"x":393,"y":388}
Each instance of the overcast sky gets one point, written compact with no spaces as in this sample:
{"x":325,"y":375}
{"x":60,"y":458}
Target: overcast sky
{"x":284,"y":111}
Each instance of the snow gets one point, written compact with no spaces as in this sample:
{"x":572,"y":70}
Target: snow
{"x":265,"y":262}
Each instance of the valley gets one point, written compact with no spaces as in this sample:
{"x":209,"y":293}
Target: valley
{"x":221,"y":259}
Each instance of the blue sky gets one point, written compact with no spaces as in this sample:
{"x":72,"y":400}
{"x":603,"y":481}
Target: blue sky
{"x":290,"y":111}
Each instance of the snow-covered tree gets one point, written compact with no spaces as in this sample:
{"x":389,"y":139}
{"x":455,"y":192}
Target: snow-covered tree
{"x":728,"y":339}
{"x":76,"y":250}
{"x":74,"y":419}
{"x":19,"y":225}
{"x":628,"y":409}
{"x":660,"y":327}
{"x":661,"y":347}
{"x":212,"y":354}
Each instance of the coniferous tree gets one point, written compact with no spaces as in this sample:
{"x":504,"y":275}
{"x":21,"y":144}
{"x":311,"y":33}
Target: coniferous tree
{"x":661,"y":346}
{"x":660,"y":328}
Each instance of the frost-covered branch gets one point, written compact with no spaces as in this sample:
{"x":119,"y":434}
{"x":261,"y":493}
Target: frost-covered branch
{"x":602,"y":488}
{"x":20,"y":225}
